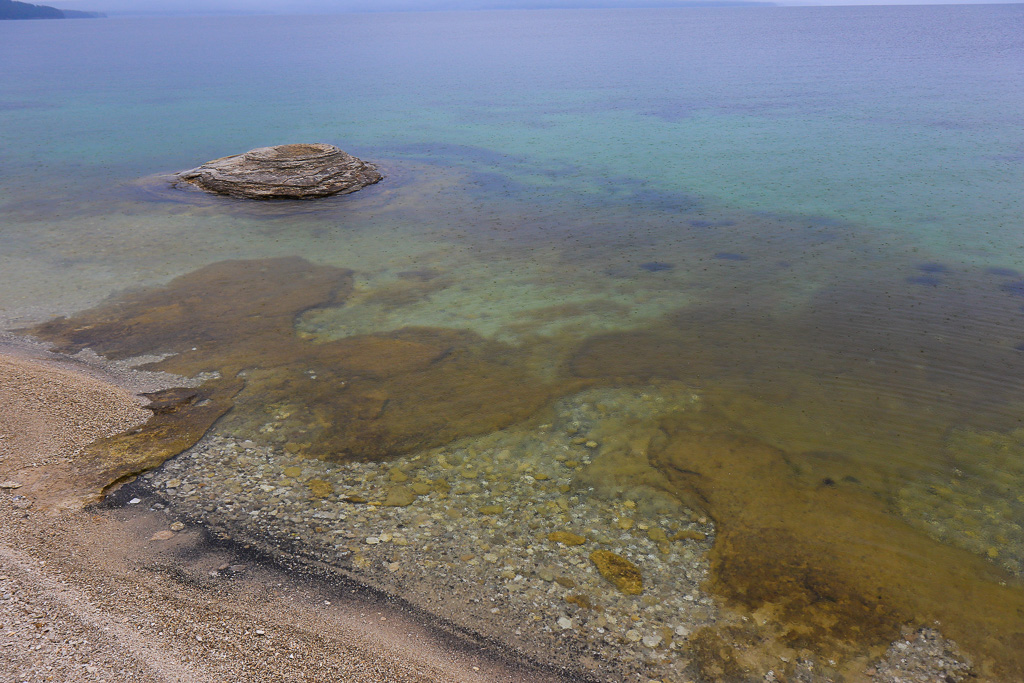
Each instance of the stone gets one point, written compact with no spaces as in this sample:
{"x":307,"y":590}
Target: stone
{"x":564,"y":623}
{"x":620,"y":571}
{"x":399,"y":497}
{"x":177,"y":526}
{"x":652,"y":641}
{"x":164,"y":535}
{"x":566,"y":538}
{"x":297,"y":171}
{"x":491,"y":510}
{"x":580,"y":600}
{"x":320,"y":488}
{"x":421,"y":488}
{"x":9,"y":484}
{"x":633,"y":636}
{"x":657,"y":534}
{"x":292,"y":471}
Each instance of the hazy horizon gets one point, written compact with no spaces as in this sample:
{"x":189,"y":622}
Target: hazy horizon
{"x":190,"y":7}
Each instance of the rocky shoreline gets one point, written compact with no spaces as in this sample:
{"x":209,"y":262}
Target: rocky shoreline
{"x":490,"y":533}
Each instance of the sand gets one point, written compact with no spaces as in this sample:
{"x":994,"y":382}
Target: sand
{"x":111,"y":593}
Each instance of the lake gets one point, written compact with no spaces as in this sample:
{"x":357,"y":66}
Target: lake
{"x":731,"y":296}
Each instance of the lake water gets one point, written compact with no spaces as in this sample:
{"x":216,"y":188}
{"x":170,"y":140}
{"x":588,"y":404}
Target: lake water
{"x":753,"y":273}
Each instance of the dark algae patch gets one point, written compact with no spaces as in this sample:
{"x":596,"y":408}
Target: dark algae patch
{"x":357,"y":398}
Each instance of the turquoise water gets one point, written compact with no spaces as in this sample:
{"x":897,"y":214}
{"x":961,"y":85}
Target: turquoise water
{"x":812,"y":216}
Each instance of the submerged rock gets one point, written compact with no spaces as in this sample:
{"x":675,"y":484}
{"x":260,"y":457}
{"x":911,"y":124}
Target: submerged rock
{"x":300,"y":171}
{"x":620,"y":571}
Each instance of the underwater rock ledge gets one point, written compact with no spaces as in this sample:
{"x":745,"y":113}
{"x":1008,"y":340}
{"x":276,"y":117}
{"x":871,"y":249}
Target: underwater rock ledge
{"x":297,"y":171}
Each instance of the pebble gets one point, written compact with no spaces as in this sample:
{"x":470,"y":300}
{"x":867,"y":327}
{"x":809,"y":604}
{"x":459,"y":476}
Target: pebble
{"x":399,"y":496}
{"x":10,"y":484}
{"x":320,"y":488}
{"x":491,"y":510}
{"x":633,"y":636}
{"x":177,"y":526}
{"x":163,"y":535}
{"x":620,"y":571}
{"x":566,"y":538}
{"x":564,"y":623}
{"x":652,"y":641}
{"x":134,"y":501}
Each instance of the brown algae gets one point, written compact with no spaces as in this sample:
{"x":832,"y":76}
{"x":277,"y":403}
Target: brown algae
{"x":829,"y":566}
{"x":366,"y":397}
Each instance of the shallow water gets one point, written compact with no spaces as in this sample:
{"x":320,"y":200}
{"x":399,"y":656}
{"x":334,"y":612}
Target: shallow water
{"x":806,"y":218}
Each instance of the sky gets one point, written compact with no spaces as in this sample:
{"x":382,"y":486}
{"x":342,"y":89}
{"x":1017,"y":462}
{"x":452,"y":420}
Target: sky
{"x":336,"y":6}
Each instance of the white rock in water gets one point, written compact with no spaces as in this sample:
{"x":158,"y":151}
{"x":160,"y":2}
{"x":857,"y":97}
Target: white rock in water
{"x":652,"y":641}
{"x":564,"y":623}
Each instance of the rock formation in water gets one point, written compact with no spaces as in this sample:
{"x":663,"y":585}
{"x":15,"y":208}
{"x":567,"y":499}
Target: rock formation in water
{"x":300,"y":171}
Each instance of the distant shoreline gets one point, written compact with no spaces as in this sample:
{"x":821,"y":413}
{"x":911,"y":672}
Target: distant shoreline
{"x":12,"y":9}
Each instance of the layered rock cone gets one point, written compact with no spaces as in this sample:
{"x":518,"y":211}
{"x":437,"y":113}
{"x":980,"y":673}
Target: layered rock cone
{"x":301,"y":171}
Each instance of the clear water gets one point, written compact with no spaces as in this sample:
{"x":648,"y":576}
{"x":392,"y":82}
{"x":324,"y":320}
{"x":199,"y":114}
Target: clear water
{"x":812,"y":216}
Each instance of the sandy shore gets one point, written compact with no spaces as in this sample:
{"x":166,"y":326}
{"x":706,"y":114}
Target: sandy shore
{"x":110,"y":593}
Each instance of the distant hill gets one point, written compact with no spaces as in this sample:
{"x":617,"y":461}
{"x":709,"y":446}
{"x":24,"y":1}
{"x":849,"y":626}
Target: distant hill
{"x":11,"y":9}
